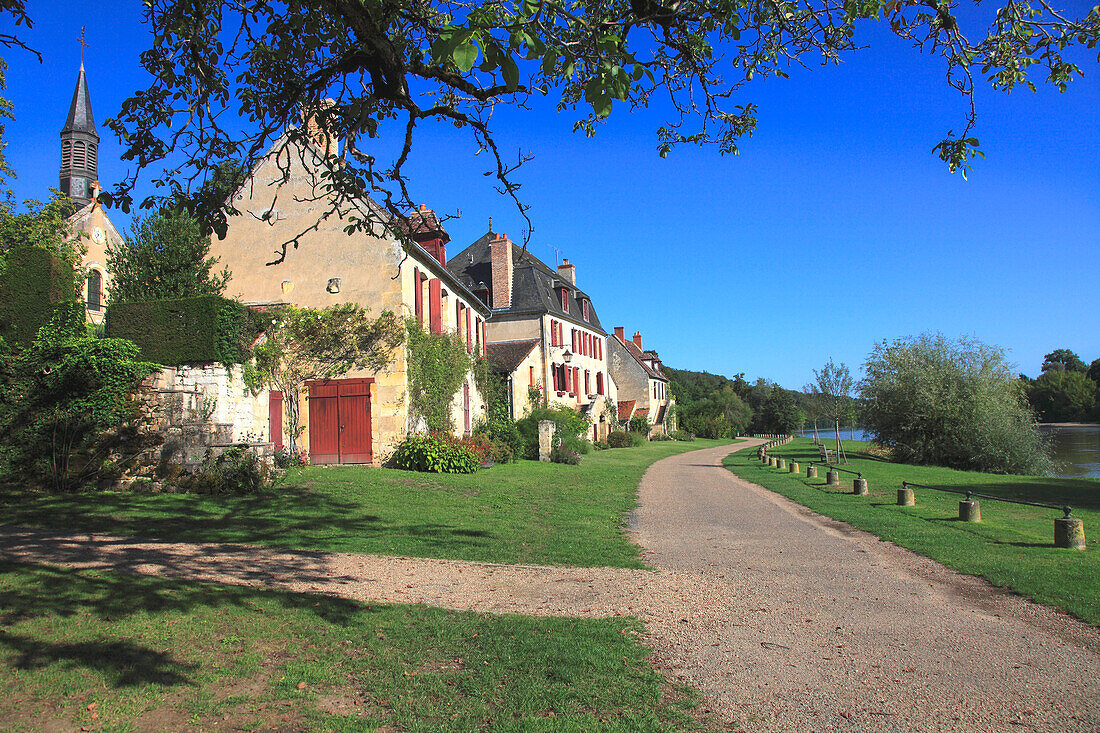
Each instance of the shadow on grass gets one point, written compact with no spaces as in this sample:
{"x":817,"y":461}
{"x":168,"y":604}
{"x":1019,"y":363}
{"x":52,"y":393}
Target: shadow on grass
{"x":30,"y":592}
{"x":290,"y":517}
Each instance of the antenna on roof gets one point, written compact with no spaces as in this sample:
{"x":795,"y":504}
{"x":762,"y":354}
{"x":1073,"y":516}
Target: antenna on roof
{"x":557,"y":254}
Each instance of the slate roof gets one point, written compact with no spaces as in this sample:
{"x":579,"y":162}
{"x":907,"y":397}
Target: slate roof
{"x":626,"y":409}
{"x":80,"y":111}
{"x":532,"y":284}
{"x":506,"y":356}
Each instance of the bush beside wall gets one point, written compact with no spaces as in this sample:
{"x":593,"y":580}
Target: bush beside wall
{"x":32,"y":282}
{"x":177,"y":331}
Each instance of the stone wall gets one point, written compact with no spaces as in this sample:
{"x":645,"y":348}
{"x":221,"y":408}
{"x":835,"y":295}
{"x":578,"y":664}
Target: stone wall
{"x":206,"y":407}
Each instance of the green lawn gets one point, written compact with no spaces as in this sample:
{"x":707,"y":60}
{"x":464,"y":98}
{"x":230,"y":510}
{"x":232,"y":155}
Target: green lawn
{"x":106,"y":652}
{"x":526,"y":512}
{"x":1011,"y":547}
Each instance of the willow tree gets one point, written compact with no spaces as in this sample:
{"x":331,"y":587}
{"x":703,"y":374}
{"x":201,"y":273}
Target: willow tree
{"x":230,"y":78}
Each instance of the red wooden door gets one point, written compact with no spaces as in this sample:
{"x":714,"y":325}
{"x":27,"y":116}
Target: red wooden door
{"x":340,"y":421}
{"x":355,"y":431}
{"x":275,"y":418}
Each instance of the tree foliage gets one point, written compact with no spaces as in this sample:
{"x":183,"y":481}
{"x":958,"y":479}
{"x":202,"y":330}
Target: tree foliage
{"x":1063,"y":396}
{"x":390,"y":65}
{"x":834,"y":389}
{"x":951,"y":403}
{"x":165,"y":255}
{"x":438,"y":364}
{"x":304,"y":344}
{"x":1063,"y":360}
{"x":780,"y":413}
{"x":40,"y":225}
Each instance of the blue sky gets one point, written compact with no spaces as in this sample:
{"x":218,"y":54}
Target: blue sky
{"x":835,"y":228}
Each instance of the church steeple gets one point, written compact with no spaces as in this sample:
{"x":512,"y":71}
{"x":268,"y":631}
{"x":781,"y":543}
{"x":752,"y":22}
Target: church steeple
{"x":79,"y":146}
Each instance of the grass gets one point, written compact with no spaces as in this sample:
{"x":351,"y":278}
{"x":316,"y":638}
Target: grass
{"x":1012,"y":547}
{"x":525,"y":512}
{"x":99,"y":651}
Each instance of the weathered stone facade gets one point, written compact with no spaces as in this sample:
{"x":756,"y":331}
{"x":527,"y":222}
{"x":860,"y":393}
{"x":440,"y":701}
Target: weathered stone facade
{"x":282,"y":200}
{"x":637,"y":373}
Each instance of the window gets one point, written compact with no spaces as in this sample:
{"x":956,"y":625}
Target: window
{"x":565,"y":299}
{"x":66,"y":153}
{"x":584,"y":308}
{"x":95,"y":290}
{"x":599,"y":382}
{"x":553,"y":332}
{"x":79,"y":154}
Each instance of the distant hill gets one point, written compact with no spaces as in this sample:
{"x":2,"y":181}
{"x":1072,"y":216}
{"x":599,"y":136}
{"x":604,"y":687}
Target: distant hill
{"x":689,"y":386}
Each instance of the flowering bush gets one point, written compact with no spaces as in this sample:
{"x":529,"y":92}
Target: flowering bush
{"x":287,"y":458}
{"x":432,"y":454}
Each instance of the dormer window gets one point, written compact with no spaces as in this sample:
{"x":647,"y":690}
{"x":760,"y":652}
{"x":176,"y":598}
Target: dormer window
{"x":584,"y":309}
{"x":565,"y":300}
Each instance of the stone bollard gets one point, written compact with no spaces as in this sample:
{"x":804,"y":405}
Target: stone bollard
{"x":970,"y":510}
{"x":781,"y":464}
{"x":832,"y":478}
{"x":546,"y":439}
{"x":772,"y":461}
{"x":1069,"y":532}
{"x":859,"y":487}
{"x":811,"y":471}
{"x":794,"y":467}
{"x":906,"y":497}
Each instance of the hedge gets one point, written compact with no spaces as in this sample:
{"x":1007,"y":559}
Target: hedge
{"x":32,"y":282}
{"x":175,"y":331}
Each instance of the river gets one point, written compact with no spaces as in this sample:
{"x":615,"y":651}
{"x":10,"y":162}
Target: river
{"x":1076,"y":447}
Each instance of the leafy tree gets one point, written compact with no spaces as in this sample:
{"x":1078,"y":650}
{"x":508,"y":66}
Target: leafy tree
{"x":780,"y":412}
{"x":1094,"y":371}
{"x":391,"y":65}
{"x":165,"y":255}
{"x":1063,"y":396}
{"x":17,"y":10}
{"x":834,"y":384}
{"x":438,"y":364}
{"x":813,"y":406}
{"x":1063,"y":360}
{"x":951,"y":403}
{"x":304,"y":344}
{"x":40,"y":225}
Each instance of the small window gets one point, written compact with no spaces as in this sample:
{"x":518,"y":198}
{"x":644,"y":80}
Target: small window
{"x":584,"y":309}
{"x":79,"y":155}
{"x":565,"y":299}
{"x":66,"y":153}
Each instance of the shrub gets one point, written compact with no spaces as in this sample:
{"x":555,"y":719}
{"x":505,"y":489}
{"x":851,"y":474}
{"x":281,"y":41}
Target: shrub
{"x":503,"y":430}
{"x":620,"y":440}
{"x":500,"y":452}
{"x":639,"y":424}
{"x":187,"y":330}
{"x":287,"y":458}
{"x":432,"y":454}
{"x":236,"y":470}
{"x":566,"y":422}
{"x":32,"y":282}
{"x":681,"y":435}
{"x":563,"y":454}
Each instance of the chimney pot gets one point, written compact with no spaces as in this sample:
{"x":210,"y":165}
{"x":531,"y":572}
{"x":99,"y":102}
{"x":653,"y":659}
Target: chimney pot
{"x":567,"y":272}
{"x":638,"y":340}
{"x":620,"y":333}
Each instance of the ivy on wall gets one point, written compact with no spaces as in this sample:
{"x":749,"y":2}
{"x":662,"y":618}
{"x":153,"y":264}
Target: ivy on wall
{"x":438,"y":363}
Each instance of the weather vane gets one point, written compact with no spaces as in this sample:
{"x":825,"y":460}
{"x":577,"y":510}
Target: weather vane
{"x":83,"y":45}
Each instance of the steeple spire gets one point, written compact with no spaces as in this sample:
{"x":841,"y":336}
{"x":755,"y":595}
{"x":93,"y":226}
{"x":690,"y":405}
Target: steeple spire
{"x":79,"y":144}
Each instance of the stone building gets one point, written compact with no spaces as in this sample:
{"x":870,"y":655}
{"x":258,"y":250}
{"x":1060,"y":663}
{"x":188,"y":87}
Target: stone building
{"x":361,"y":417}
{"x":544,"y":334}
{"x":643,"y":387}
{"x":79,"y":180}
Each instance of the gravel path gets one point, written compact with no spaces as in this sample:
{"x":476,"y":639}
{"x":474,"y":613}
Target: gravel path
{"x":784,"y":619}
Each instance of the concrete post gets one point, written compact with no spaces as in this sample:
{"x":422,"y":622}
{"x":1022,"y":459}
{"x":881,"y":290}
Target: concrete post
{"x":832,"y":478}
{"x":546,"y":439}
{"x":906,"y":497}
{"x":794,"y":467}
{"x":811,"y":471}
{"x":1069,"y":532}
{"x":970,"y":510}
{"x":859,"y":487}
{"x":781,"y":464}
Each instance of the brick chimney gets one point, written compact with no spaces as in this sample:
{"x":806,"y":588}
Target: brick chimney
{"x":316,"y":132}
{"x":620,"y":333}
{"x":567,"y":272}
{"x":425,"y":229}
{"x":638,"y":340}
{"x":500,"y":261}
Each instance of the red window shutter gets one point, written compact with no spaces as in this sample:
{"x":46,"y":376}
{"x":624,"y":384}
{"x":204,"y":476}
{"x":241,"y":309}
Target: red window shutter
{"x":469,"y":338}
{"x":458,"y":320}
{"x":435,"y":304}
{"x":587,"y":385}
{"x":554,"y":376}
{"x":577,"y":382}
{"x":531,"y":376}
{"x":418,"y":297}
{"x":599,"y":382}
{"x":565,"y":299}
{"x":484,"y":344}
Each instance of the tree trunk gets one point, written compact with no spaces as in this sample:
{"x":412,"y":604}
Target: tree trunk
{"x":291,"y":403}
{"x":838,"y":448}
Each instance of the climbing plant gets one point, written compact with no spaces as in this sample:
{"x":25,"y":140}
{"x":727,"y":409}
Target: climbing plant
{"x":438,"y":363}
{"x":304,"y":344}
